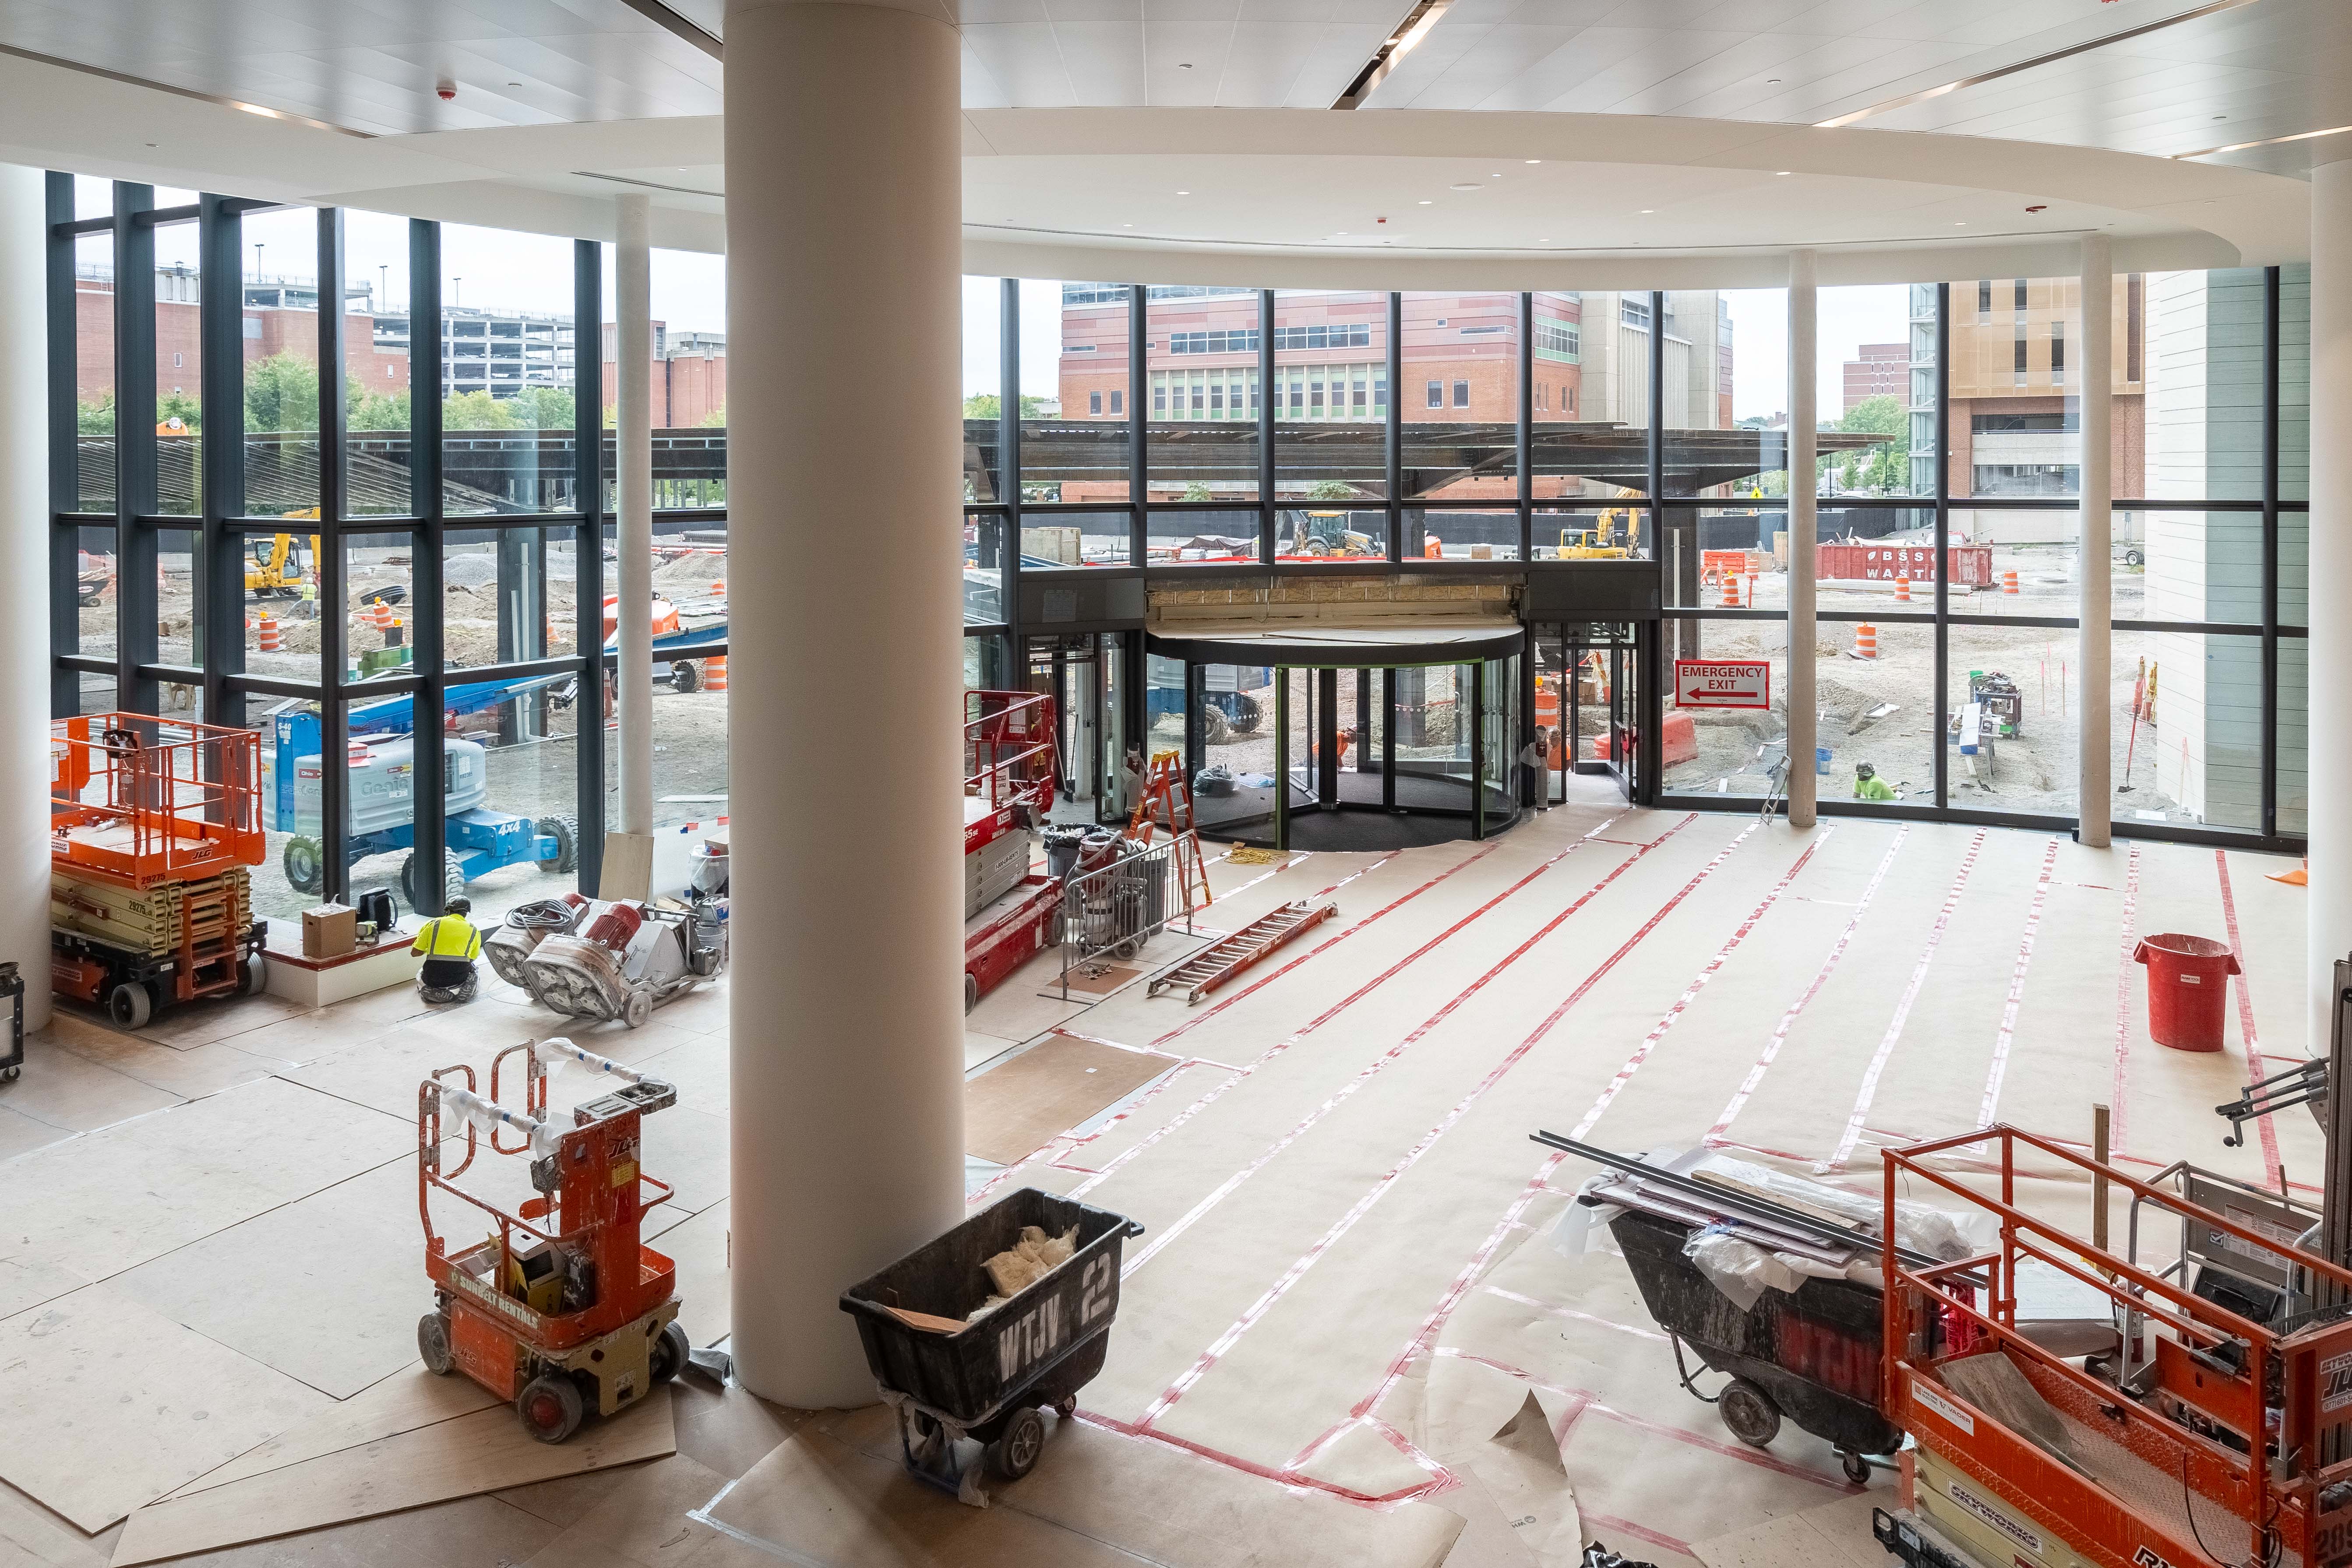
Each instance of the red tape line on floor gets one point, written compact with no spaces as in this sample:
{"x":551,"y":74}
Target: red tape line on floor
{"x":1441,"y":1481}
{"x":1738,"y":1101}
{"x":1217,"y":1091}
{"x":2125,"y":969}
{"x":1461,"y":1108}
{"x":1673,"y":1014}
{"x":2008,"y":1031}
{"x":1878,"y":1060}
{"x":1266,"y":1157}
{"x":2246,"y":1020}
{"x":1197,"y":1019}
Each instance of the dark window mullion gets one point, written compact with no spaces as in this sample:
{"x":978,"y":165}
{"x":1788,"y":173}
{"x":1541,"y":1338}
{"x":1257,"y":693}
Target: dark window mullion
{"x":334,"y":728}
{"x":135,"y":588}
{"x":588,"y":557}
{"x":65,"y":451}
{"x":220,"y":329}
{"x":426,"y":499}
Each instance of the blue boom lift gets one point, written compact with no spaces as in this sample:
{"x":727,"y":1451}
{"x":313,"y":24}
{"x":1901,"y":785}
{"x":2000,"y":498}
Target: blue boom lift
{"x":382,"y":794}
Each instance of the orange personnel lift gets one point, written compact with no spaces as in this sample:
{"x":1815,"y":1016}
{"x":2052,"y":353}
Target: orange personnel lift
{"x":152,"y":823}
{"x":573,"y":1313}
{"x":2204,"y":1432}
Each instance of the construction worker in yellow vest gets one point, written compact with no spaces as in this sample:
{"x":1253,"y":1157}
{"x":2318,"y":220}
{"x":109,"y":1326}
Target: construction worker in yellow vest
{"x":450,"y":944}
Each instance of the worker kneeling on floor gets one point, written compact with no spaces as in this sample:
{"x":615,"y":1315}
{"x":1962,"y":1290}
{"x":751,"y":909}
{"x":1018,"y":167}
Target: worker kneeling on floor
{"x":1868,"y":785}
{"x":450,"y":944}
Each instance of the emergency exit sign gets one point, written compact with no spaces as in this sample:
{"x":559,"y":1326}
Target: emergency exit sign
{"x":1723,"y":683}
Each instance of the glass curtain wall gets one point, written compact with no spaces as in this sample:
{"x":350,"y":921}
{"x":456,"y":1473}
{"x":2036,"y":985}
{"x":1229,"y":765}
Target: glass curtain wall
{"x":326,"y":522}
{"x":309,"y":539}
{"x":1953,"y":412}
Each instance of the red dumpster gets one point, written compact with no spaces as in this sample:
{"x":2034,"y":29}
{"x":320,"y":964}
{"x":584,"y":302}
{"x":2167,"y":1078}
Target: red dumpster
{"x":2187,"y":989}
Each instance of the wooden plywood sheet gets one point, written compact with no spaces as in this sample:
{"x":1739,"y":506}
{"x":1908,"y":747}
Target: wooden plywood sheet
{"x":105,"y":1405}
{"x":485,"y":1451}
{"x":407,"y":1400}
{"x":1011,"y":1109}
{"x":1101,"y":979}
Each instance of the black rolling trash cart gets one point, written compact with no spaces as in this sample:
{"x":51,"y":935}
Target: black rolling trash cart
{"x":986,"y":1380}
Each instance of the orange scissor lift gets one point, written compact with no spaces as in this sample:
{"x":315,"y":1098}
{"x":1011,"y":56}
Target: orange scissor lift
{"x":564,"y":1309}
{"x":2203,"y":1437}
{"x":152,"y":824}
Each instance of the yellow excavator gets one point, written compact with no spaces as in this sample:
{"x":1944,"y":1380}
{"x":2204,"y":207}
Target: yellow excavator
{"x":1594,"y":543}
{"x":275,"y":571}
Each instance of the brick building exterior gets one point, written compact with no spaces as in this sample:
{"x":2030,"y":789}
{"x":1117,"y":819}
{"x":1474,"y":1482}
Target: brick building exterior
{"x":2016,"y":361}
{"x":1459,"y":362}
{"x":1879,"y":370}
{"x":269,"y":329}
{"x":689,"y":375}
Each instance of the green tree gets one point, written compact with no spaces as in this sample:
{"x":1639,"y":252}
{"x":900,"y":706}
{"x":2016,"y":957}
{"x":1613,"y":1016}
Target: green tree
{"x":1331,"y":489}
{"x":715,"y":419}
{"x":281,"y":393}
{"x":95,"y":415}
{"x":181,"y":406}
{"x":474,"y":411}
{"x":375,"y":411}
{"x":542,"y":408}
{"x":989,"y":406}
{"x":1883,"y":467}
{"x":1198,"y":491}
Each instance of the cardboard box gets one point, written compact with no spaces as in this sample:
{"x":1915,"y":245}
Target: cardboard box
{"x":329,"y":931}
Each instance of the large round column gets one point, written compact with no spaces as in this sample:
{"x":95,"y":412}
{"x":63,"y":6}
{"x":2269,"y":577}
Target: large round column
{"x":2094,"y":577}
{"x":1804,"y":536}
{"x":844,"y":231}
{"x":2329,"y":737}
{"x":23,"y":609}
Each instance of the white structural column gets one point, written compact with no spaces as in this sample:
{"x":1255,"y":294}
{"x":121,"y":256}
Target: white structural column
{"x":844,"y":255}
{"x":633,"y":443}
{"x":2329,"y":931}
{"x":2093,"y":378}
{"x":23,"y":607}
{"x":1804,"y":537}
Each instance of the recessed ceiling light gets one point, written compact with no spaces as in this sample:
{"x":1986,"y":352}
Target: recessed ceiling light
{"x":1496,"y":176}
{"x":1779,"y":172}
{"x":1184,"y":192}
{"x":1959,"y":225}
{"x":1647,"y":211}
{"x":1535,"y":160}
{"x":1127,"y":226}
{"x":1466,"y":185}
{"x":1424,"y":204}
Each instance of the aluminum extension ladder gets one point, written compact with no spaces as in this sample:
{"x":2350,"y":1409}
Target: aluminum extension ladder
{"x":1228,"y":956}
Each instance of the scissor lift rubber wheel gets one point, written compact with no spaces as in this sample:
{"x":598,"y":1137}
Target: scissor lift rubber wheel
{"x":1856,"y":1467}
{"x":671,"y":1351}
{"x":432,"y":1344}
{"x":550,"y":1407}
{"x":1014,"y":1454}
{"x":1749,"y":1413}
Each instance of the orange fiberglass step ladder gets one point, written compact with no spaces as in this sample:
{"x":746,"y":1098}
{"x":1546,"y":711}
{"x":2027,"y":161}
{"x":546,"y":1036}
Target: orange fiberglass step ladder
{"x":1228,"y":956}
{"x":1167,"y":800}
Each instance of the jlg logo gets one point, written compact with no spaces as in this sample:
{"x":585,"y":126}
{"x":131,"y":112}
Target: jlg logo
{"x":2144,"y":1558}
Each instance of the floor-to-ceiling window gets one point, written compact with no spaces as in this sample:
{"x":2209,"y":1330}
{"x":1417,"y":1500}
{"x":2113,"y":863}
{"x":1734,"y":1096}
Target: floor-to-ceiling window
{"x":340,"y":518}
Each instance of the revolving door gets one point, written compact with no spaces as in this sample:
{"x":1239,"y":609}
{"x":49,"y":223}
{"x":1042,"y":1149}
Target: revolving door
{"x":1357,"y":745}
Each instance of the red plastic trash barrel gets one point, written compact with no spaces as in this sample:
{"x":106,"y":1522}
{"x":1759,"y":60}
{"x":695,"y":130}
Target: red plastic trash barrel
{"x":2187,"y":989}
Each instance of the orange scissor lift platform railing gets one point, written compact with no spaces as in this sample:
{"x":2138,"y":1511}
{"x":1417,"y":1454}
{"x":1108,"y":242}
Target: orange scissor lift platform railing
{"x":563,"y":1309}
{"x":137,"y":800}
{"x":2205,"y":1436}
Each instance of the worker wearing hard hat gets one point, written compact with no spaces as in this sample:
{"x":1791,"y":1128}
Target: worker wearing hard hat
{"x":450,"y":944}
{"x":1868,"y":785}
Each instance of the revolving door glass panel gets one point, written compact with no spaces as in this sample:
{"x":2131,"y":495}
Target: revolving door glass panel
{"x":1234,"y":779}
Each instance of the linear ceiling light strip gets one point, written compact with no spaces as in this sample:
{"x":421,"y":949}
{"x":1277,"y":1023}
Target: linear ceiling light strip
{"x":185,"y":93}
{"x":649,"y":185}
{"x":1401,"y":42}
{"x":2267,"y":141}
{"x":2068,"y":53}
{"x":655,"y":11}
